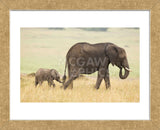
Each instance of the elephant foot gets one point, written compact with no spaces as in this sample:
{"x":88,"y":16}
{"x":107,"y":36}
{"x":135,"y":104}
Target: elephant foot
{"x":65,"y":87}
{"x":96,"y":87}
{"x":70,"y":86}
{"x":108,"y":87}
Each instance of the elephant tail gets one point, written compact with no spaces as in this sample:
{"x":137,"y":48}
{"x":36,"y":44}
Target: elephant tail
{"x":64,"y":77}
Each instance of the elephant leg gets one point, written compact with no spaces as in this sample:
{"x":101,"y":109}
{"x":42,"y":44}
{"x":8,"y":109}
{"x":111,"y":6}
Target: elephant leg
{"x":68,"y":82}
{"x":49,"y":83}
{"x":36,"y":82}
{"x":107,"y":79}
{"x":99,"y":80}
{"x":101,"y":75}
{"x":71,"y":83}
{"x":40,"y":83}
{"x":72,"y":76}
{"x":53,"y":84}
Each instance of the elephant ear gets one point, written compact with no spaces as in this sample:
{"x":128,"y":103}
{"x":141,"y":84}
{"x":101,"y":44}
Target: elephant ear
{"x":53,"y":73}
{"x":121,"y":52}
{"x":112,"y":53}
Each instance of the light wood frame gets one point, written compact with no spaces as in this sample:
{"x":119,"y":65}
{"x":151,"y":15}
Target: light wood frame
{"x":152,"y":5}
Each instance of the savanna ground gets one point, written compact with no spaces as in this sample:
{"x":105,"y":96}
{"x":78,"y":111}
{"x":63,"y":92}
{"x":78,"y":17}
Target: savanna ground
{"x":47,"y":48}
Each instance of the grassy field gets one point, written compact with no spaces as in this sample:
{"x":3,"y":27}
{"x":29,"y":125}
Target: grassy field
{"x":47,"y":48}
{"x":83,"y":91}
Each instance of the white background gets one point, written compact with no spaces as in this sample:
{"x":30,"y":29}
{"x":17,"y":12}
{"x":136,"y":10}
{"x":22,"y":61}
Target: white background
{"x":78,"y":111}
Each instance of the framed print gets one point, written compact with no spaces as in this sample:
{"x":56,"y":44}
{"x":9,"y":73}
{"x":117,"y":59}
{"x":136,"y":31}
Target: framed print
{"x":43,"y":46}
{"x":69,"y":66}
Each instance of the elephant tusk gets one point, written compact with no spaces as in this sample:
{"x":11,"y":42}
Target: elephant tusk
{"x":128,"y":69}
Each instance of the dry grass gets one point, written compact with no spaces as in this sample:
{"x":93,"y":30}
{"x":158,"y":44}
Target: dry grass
{"x":83,"y":91}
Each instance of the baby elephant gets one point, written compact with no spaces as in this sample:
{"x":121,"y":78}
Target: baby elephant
{"x":46,"y":75}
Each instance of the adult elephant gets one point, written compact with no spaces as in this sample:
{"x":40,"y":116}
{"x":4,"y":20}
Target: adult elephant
{"x":85,"y":58}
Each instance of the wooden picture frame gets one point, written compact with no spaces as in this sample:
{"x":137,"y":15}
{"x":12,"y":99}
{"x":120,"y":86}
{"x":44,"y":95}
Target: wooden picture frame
{"x":7,"y":5}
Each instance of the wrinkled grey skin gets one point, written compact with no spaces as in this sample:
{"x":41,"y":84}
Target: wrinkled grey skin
{"x":46,"y":75}
{"x":84,"y":52}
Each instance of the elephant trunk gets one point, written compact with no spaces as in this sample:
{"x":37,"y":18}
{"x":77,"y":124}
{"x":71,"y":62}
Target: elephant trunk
{"x":59,"y":81}
{"x":127,"y":70}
